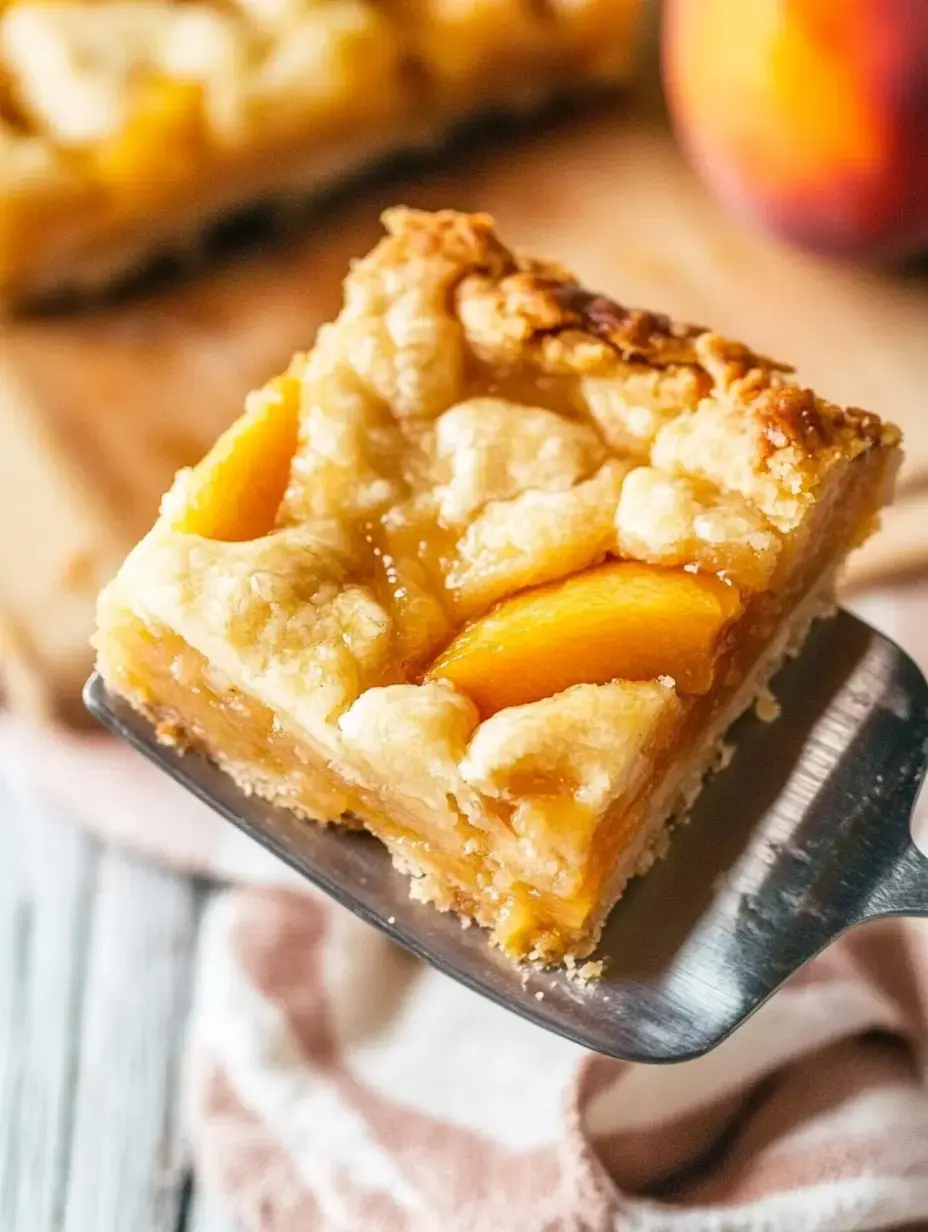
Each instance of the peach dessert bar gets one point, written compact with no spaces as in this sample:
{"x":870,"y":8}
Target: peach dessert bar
{"x":127,"y":125}
{"x":490,"y":572}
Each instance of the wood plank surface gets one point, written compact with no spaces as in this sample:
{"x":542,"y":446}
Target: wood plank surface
{"x":48,"y":874}
{"x":98,"y":409}
{"x":95,"y":968}
{"x":127,"y":1163}
{"x":205,"y":1216}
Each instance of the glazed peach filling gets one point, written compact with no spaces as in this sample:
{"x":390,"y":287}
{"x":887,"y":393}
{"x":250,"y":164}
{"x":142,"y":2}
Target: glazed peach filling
{"x":620,"y":619}
{"x":407,"y":560}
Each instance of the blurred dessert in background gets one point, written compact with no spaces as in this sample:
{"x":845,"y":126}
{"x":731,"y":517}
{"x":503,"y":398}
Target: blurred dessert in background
{"x":126,"y":126}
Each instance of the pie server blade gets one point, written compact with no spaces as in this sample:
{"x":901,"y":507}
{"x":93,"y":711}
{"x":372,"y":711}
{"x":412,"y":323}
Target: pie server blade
{"x":805,"y":835}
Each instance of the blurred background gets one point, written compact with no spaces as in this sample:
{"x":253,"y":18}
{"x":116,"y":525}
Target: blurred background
{"x":182,"y":188}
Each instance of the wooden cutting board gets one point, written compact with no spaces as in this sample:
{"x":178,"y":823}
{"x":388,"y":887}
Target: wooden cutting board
{"x":98,"y":409}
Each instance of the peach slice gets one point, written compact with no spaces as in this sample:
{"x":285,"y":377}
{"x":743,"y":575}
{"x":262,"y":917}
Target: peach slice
{"x":235,"y":492}
{"x":620,"y":621}
{"x":810,"y":116}
{"x":154,"y":150}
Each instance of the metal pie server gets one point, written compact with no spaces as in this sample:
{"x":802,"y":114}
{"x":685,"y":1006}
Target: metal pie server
{"x":805,"y":835}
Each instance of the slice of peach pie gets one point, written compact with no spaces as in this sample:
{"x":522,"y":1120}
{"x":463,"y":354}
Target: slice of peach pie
{"x":490,"y":572}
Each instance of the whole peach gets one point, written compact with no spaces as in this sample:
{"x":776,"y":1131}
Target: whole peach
{"x":809,"y":115}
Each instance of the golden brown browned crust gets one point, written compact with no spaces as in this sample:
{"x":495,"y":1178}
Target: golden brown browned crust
{"x":796,"y":416}
{"x":531,"y":296}
{"x":465,"y":242}
{"x":518,"y":308}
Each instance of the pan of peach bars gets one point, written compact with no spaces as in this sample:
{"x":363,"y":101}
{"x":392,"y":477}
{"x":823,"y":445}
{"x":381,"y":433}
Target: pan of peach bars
{"x":128,"y":129}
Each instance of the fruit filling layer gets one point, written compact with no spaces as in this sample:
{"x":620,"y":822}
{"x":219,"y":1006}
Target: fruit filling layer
{"x":490,"y":571}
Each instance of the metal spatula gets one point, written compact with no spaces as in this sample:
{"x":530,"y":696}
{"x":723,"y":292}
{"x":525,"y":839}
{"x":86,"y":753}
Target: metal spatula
{"x":805,"y":835}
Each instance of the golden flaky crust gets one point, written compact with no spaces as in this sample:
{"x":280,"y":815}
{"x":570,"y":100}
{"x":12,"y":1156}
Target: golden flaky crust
{"x":518,"y":310}
{"x":477,"y":461}
{"x":519,"y":297}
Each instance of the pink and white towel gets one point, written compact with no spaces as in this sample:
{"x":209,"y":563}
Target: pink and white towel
{"x":335,"y":1084}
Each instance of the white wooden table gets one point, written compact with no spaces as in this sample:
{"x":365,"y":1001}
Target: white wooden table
{"x":96,"y":955}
